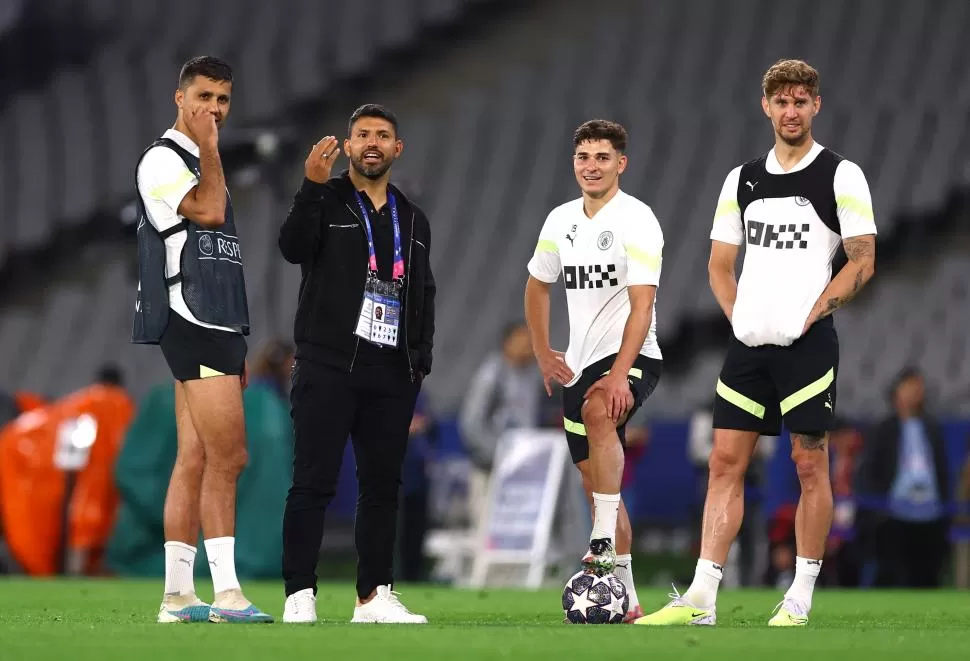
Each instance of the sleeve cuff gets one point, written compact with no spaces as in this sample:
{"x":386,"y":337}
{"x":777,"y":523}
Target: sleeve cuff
{"x":312,"y":189}
{"x":542,"y":277}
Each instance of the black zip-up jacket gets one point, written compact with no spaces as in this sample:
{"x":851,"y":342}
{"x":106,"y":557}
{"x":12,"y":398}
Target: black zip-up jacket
{"x":879,"y":461}
{"x":324,"y":233}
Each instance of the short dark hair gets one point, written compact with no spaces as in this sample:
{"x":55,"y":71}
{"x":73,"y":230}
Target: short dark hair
{"x":205,"y":65}
{"x":601,"y":129}
{"x":512,"y":328}
{"x":373,"y":110}
{"x":905,"y":374}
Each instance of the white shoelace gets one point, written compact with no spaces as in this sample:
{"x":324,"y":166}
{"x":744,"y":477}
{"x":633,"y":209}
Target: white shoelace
{"x":676,"y":599}
{"x":304,"y":603}
{"x":393,"y":598}
{"x":792,"y":606}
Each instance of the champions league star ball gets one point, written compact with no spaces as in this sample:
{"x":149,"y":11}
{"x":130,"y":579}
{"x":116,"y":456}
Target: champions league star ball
{"x":591,"y":599}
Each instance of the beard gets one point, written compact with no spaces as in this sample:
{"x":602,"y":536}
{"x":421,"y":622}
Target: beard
{"x":796,"y":140}
{"x":375,"y":171}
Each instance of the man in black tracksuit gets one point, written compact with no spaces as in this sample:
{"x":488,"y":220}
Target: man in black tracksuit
{"x":363,"y":331}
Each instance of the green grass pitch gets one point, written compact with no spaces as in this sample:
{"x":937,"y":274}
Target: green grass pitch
{"x":104,"y":620}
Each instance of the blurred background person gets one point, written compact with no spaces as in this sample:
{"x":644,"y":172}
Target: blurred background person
{"x":505,"y":393}
{"x":903,"y":491}
{"x":272,"y":367}
{"x":842,"y":559}
{"x":748,"y":558}
{"x":58,"y":498}
{"x":413,"y":515}
{"x":637,"y":442}
{"x":961,"y":546}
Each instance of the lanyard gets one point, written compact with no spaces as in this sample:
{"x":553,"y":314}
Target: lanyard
{"x":398,"y":269}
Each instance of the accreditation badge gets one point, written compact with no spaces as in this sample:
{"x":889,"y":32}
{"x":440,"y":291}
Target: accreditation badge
{"x":380,"y":313}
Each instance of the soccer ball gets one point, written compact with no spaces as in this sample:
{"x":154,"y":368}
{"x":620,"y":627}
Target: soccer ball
{"x":591,"y":599}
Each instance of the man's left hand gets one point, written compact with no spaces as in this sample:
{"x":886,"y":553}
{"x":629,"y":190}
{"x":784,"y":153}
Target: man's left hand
{"x":619,"y":397}
{"x":812,"y":318}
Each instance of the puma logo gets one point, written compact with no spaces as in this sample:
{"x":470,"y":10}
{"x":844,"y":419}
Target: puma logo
{"x":751,"y":185}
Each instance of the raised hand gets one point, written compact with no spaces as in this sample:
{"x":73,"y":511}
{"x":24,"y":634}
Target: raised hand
{"x":321,"y":159}
{"x":202,"y":123}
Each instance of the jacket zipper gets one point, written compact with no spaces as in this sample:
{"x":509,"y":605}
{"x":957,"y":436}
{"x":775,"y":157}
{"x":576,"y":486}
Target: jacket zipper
{"x":404,"y":308}
{"x":407,"y":299}
{"x":360,"y":224}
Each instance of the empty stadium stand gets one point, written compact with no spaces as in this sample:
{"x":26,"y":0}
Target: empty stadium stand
{"x":488,"y":157}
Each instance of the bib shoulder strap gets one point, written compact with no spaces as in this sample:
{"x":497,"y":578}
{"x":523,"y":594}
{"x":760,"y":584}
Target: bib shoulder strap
{"x":187,"y":158}
{"x":175,"y":229}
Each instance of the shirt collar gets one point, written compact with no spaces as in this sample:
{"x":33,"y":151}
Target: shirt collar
{"x":774,"y":167}
{"x":605,"y":209}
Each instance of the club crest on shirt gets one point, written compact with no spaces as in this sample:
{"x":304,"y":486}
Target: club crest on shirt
{"x":605,"y":240}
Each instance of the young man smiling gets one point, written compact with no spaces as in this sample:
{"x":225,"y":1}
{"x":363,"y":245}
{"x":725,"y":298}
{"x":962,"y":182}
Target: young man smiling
{"x":607,"y":245}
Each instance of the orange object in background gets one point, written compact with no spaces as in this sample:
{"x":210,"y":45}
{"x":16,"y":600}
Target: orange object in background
{"x":28,"y":401}
{"x":68,"y":446}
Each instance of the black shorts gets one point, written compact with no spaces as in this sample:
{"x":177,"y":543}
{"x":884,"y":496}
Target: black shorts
{"x":196,"y":352}
{"x":760,"y":386}
{"x":643,"y":379}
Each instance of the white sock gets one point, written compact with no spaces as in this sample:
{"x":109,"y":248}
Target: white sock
{"x":703,"y":591}
{"x":624,"y":572}
{"x":806,"y":571}
{"x":222,"y":563}
{"x":179,"y":569}
{"x":605,"y":509}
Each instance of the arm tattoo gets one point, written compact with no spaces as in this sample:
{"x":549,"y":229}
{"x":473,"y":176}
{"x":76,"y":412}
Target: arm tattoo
{"x":809,"y":441}
{"x":836,"y":302}
{"x":857,"y":249}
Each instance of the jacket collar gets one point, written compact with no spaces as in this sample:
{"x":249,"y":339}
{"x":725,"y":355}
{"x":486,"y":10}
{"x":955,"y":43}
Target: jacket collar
{"x":345,"y":189}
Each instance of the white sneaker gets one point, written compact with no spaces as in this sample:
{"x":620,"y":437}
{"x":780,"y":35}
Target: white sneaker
{"x":300,"y":608}
{"x":386,"y":608}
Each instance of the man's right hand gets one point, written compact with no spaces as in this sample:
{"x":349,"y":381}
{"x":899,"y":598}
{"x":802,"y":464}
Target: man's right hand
{"x":553,"y":365}
{"x":202,"y":122}
{"x":321,"y":159}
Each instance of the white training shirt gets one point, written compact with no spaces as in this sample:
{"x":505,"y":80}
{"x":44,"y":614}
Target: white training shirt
{"x":599,"y":257}
{"x":778,"y":288}
{"x":163,"y":180}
